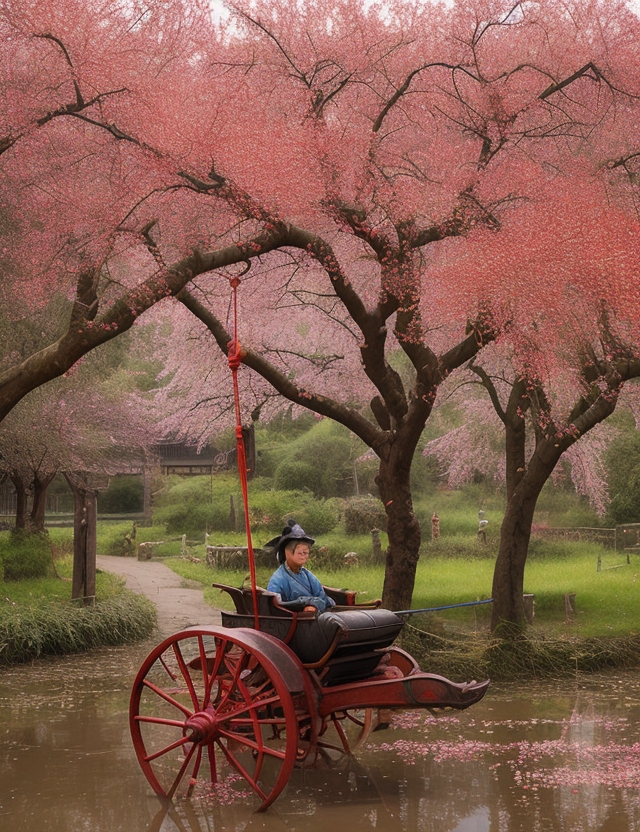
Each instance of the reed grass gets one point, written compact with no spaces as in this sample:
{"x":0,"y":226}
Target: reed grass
{"x":38,"y":618}
{"x":28,"y":632}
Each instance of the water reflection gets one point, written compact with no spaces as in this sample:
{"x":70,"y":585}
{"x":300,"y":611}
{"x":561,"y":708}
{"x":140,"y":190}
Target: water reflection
{"x":564,"y":757}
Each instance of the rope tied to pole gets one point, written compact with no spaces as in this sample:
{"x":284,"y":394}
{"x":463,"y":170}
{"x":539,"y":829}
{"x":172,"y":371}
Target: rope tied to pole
{"x":234,"y":357}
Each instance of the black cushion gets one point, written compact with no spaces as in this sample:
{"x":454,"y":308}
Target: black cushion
{"x":359,"y":631}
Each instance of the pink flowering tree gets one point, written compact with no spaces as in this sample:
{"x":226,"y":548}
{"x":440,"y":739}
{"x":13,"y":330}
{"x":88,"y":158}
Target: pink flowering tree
{"x":357,"y":163}
{"x":556,"y":377}
{"x":85,"y":425}
{"x":394,"y":244}
{"x":92,"y":151}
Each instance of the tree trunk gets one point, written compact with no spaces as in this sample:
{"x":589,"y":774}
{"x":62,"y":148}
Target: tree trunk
{"x":403,"y":531}
{"x":21,"y":500}
{"x":525,"y":482}
{"x":40,"y":485}
{"x":508,"y":575}
{"x":85,"y":516}
{"x":146,"y":496}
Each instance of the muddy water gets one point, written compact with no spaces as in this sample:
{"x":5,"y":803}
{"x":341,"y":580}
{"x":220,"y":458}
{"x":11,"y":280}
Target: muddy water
{"x":552,"y":757}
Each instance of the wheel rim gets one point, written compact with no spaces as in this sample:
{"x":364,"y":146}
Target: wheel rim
{"x":209,"y":710}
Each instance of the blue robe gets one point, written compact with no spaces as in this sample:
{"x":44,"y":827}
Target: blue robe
{"x":303,"y":587}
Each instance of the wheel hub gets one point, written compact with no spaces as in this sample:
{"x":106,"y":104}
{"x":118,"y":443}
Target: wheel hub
{"x":202,"y":727}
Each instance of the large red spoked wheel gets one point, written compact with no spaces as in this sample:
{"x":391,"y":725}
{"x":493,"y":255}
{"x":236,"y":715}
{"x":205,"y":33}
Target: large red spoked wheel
{"x":217,"y":706}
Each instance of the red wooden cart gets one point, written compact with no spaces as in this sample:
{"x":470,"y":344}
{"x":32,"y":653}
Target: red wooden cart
{"x":243,"y":703}
{"x":214,"y":707}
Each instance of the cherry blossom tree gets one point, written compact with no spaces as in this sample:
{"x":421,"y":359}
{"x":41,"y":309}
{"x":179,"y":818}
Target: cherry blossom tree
{"x":81,"y":425}
{"x":85,"y":429}
{"x":401,"y":254}
{"x":356,"y":162}
{"x":87,"y":89}
{"x":566,"y":368}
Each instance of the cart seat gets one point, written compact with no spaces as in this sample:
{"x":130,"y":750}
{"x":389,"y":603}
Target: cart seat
{"x":373,"y":629}
{"x":345,"y":645}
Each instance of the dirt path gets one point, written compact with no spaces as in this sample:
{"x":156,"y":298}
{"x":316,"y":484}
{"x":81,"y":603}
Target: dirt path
{"x":179,"y":602}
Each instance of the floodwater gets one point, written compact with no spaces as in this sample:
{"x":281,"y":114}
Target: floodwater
{"x":546,"y":757}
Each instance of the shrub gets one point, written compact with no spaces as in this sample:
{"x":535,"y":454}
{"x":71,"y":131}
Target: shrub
{"x":190,"y":506}
{"x":329,"y":450}
{"x":193,"y":519}
{"x":269,"y":510}
{"x":361,"y":514}
{"x":124,"y":495}
{"x":319,"y":516}
{"x":25,"y":555}
{"x":69,"y":628}
{"x":112,"y":539}
{"x":321,"y":459}
{"x":61,"y":541}
{"x":298,"y":474}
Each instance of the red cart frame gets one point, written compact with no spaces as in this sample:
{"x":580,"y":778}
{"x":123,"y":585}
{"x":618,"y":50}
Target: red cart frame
{"x":218,"y":707}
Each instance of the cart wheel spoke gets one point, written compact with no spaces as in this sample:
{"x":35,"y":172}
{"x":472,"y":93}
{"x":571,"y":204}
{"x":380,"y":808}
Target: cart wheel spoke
{"x":181,"y":772}
{"x":171,"y":747}
{"x":352,"y":727}
{"x":204,"y":688}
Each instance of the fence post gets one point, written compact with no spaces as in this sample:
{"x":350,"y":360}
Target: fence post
{"x":569,"y":606}
{"x":528,"y":600}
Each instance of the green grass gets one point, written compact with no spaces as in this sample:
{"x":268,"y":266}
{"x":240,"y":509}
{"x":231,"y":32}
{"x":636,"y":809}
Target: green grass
{"x":603,"y":633}
{"x":606,"y":602}
{"x":38,"y":617}
{"x":33,"y":630}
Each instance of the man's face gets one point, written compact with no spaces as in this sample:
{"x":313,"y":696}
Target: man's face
{"x":297,"y":557}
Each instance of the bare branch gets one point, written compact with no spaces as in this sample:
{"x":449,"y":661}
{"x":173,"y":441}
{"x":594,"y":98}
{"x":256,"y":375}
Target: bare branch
{"x":402,"y":89}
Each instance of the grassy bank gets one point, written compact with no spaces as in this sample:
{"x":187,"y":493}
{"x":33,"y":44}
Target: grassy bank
{"x":600,"y":630}
{"x":37,"y":617}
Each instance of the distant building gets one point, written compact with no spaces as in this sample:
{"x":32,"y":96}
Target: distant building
{"x":187,"y":461}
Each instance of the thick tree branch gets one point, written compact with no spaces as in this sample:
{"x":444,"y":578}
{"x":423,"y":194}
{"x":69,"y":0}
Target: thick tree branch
{"x":404,"y":87}
{"x":596,"y":75}
{"x":489,"y":386}
{"x":72,"y":108}
{"x":86,"y":331}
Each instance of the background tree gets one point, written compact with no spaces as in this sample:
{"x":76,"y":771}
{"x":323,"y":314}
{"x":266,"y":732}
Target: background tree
{"x":623,"y":466}
{"x":579,"y":355}
{"x":87,"y":427}
{"x":356,"y":157}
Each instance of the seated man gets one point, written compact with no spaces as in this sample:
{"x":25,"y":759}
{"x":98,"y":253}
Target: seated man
{"x":291,"y":580}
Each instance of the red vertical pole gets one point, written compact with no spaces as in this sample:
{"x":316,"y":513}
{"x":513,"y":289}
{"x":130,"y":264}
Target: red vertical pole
{"x":234,"y":356}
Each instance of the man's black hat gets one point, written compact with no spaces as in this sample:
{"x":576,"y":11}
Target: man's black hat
{"x":292,"y":531}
